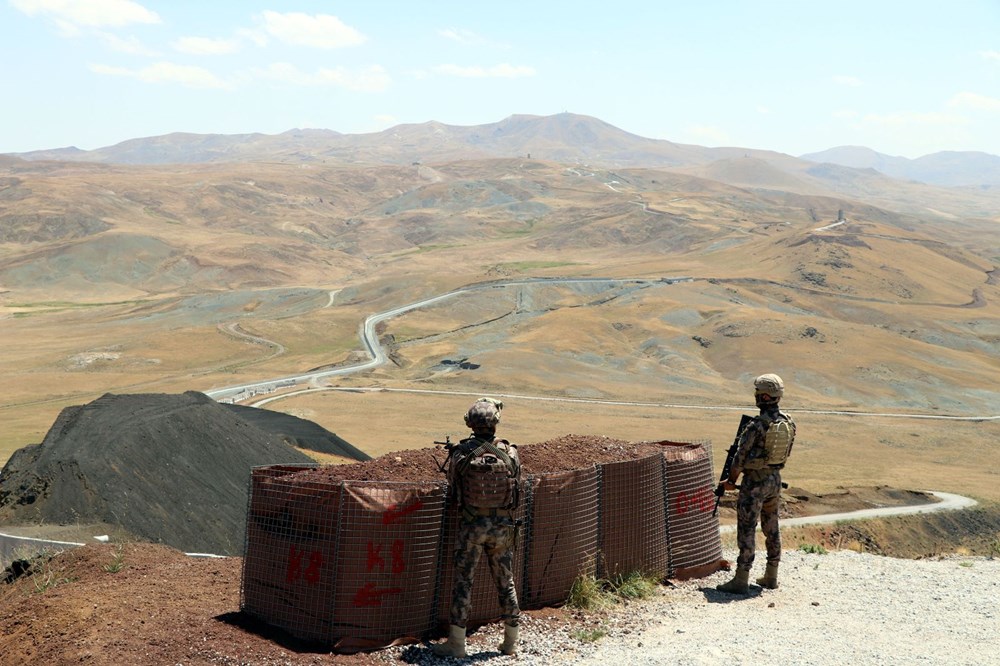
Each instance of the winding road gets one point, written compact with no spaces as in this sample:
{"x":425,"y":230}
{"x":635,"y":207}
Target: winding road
{"x":949,"y":502}
{"x":377,"y":357}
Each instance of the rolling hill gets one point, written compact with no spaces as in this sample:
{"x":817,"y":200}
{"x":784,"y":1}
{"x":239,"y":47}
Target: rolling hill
{"x":223,"y":259}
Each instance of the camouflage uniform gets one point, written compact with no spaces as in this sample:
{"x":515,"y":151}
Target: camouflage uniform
{"x":759,"y":496}
{"x":493,"y":533}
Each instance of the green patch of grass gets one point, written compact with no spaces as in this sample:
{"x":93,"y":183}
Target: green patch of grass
{"x":587,"y":593}
{"x":70,"y":304}
{"x":635,"y":585}
{"x":46,"y":579}
{"x":590,"y":635}
{"x":966,"y":564}
{"x":117,"y":562}
{"x":813,"y":548}
{"x":528,"y":227}
{"x":590,"y":593}
{"x":435,"y":246}
{"x":524,"y":266}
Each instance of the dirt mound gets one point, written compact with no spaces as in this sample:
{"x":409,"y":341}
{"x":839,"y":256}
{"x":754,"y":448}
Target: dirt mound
{"x":298,"y":432}
{"x":562,"y":453}
{"x":170,"y":469}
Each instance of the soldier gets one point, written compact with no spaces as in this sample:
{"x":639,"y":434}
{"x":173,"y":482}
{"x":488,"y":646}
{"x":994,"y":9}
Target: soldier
{"x":764,"y":447}
{"x":484,"y":475}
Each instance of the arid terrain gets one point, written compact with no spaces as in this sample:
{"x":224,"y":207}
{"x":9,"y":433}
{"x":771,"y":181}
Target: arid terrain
{"x":877,"y":300}
{"x":140,"y":603}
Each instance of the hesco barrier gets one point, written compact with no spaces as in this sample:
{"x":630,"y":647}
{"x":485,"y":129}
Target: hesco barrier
{"x":358,"y":565}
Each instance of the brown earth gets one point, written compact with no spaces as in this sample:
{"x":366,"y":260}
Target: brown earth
{"x":135,"y":602}
{"x":141,"y":603}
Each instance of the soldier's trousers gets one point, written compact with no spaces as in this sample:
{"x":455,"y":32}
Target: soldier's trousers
{"x":495,"y":537}
{"x":759,"y":497}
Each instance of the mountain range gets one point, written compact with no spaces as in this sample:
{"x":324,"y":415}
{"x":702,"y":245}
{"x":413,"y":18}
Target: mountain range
{"x":564,"y":137}
{"x":188,"y":262}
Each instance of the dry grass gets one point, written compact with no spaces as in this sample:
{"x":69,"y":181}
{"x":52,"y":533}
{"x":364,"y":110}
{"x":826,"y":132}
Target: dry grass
{"x":872,"y":316}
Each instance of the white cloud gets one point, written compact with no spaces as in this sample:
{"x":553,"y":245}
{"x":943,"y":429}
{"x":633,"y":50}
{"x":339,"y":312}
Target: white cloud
{"x":70,"y":14}
{"x":991,"y":55}
{"x":205,"y":46}
{"x":502,"y":71}
{"x":462,"y":36}
{"x":166,"y":72}
{"x":370,"y":79}
{"x":257,"y":37}
{"x":763,"y":110}
{"x":968,"y":100}
{"x":321,"y":31}
{"x":129,"y":45}
{"x":851,"y":81}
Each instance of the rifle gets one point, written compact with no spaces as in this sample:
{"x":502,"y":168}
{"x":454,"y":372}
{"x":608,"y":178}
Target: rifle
{"x":728,"y":465}
{"x":448,"y":446}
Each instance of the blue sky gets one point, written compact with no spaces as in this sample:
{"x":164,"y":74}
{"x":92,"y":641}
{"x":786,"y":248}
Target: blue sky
{"x":903,"y":77}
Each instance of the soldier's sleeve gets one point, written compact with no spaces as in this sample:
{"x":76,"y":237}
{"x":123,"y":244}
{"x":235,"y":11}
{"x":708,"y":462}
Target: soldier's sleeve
{"x":456,"y":458}
{"x":747,"y":439}
{"x":512,"y":452}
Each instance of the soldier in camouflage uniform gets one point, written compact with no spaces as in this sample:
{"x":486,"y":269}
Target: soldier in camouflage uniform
{"x":487,"y":502}
{"x":764,"y":445}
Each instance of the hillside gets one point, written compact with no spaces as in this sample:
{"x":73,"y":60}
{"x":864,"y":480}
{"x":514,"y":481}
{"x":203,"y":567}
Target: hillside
{"x":169,"y":469}
{"x":167,"y":278}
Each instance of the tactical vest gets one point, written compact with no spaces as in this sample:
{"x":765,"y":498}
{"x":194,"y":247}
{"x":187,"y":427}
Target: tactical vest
{"x":777,"y":445}
{"x":488,"y":476}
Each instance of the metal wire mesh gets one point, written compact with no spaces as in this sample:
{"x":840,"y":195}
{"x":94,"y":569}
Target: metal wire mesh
{"x":288,"y":580}
{"x":695,"y":547}
{"x":357,"y":565}
{"x":386,"y":562}
{"x":562,"y":540}
{"x":633,"y":525}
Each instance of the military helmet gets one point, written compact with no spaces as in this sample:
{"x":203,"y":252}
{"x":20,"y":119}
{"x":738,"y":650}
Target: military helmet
{"x":484,"y":414}
{"x":770,"y":384}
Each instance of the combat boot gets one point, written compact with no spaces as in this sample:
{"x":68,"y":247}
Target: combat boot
{"x":770,"y":577}
{"x":454,"y":646}
{"x":740,"y":584}
{"x":509,"y":645}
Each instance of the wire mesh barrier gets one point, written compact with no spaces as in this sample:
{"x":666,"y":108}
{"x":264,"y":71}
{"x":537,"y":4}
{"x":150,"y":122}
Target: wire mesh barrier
{"x":562,"y":537}
{"x":695,"y":547}
{"x":358,"y":565}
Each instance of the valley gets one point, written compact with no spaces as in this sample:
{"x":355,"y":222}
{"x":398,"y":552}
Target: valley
{"x":200,"y":276}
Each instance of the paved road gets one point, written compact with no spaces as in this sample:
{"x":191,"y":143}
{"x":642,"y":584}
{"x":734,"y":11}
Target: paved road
{"x":949,"y":502}
{"x":377,"y":357}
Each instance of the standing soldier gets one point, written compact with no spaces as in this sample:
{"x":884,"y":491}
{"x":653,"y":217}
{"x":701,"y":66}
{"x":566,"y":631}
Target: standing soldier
{"x":764,"y":447}
{"x":484,"y":475}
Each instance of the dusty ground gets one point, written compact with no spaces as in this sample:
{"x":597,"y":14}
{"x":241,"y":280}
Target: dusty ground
{"x":137,"y":603}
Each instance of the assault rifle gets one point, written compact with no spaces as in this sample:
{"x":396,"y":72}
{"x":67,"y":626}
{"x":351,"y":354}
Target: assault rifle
{"x":448,"y":446}
{"x":728,"y":465}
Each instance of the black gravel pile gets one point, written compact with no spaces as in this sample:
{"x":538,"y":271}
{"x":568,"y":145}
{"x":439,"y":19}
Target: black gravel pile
{"x":166,"y":468}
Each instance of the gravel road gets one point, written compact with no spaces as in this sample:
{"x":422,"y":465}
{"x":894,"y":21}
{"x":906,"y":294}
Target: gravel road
{"x":836,"y":608}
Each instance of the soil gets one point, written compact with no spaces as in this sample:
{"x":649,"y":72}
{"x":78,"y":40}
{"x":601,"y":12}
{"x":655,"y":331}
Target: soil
{"x":563,"y":453}
{"x":139,"y":602}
